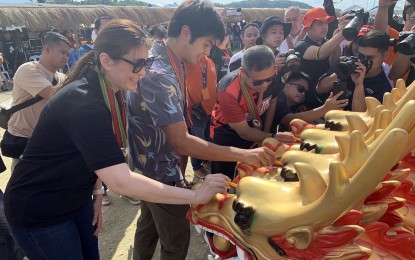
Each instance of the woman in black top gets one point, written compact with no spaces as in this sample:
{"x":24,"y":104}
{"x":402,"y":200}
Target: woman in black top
{"x":80,"y":139}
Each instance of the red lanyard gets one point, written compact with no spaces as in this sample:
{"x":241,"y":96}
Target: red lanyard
{"x":253,"y":110}
{"x":180,"y":76}
{"x":226,"y":54}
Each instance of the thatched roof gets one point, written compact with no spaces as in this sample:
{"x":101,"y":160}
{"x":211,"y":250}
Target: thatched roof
{"x":41,"y":17}
{"x":36,"y":17}
{"x":259,"y":14}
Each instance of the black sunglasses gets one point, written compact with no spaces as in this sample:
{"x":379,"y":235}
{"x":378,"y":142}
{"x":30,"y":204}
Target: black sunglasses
{"x":257,"y":83}
{"x":140,"y":63}
{"x":300,"y":88}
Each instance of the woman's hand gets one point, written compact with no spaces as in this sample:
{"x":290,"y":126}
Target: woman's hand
{"x":211,"y":185}
{"x":97,"y":207}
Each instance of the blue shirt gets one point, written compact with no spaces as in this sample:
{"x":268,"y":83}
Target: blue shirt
{"x":158,"y":102}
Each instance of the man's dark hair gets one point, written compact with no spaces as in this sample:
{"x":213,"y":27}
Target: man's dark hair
{"x":52,"y":38}
{"x":375,"y":39}
{"x":247,"y":26}
{"x":296,"y":75}
{"x":202,"y":18}
{"x":97,"y":21}
{"x":158,"y":31}
{"x":258,"y":58}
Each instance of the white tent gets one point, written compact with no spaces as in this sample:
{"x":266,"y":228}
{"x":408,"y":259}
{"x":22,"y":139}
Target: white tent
{"x":353,"y":7}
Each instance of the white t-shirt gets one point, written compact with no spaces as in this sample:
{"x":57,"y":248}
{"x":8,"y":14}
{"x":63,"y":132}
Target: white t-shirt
{"x":235,"y":57}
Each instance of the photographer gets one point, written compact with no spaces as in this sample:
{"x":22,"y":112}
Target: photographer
{"x":291,"y":99}
{"x":239,"y":116}
{"x":318,"y":53}
{"x":273,"y":32}
{"x":403,"y":65}
{"x":364,"y":74}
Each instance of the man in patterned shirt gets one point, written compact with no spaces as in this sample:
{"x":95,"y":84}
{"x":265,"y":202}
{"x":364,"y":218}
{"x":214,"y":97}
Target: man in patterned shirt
{"x":158,"y":132}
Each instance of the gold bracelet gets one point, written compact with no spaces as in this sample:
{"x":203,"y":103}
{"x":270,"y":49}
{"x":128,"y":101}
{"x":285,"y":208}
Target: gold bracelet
{"x":318,"y":51}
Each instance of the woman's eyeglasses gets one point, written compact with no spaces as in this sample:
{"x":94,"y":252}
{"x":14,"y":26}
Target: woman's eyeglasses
{"x":257,"y":83}
{"x":300,"y":88}
{"x":140,"y":63}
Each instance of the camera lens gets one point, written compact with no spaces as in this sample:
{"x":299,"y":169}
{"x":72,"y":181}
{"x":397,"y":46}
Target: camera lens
{"x":407,"y":46}
{"x":351,"y":30}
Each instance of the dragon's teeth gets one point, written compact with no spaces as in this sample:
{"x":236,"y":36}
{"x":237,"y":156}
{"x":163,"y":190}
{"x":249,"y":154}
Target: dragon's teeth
{"x":198,"y":228}
{"x":241,"y":253}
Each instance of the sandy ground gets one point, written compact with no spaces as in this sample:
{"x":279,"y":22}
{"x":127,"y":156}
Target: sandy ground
{"x":120,"y":217}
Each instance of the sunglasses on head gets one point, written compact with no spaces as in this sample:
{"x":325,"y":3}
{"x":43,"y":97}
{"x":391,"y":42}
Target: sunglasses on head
{"x":300,"y":88}
{"x":139,"y":64}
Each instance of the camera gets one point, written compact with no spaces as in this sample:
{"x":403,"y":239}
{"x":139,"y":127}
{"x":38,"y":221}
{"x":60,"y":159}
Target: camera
{"x":292,"y":61}
{"x":346,"y":68}
{"x":405,"y":44}
{"x":198,"y":111}
{"x":358,"y":18}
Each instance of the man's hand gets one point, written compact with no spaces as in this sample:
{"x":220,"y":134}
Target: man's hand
{"x":280,"y":60}
{"x":387,"y":3}
{"x":284,"y":137}
{"x":332,"y":103}
{"x":260,"y":157}
{"x":359,"y":74}
{"x":212,"y":184}
{"x":343,"y":21}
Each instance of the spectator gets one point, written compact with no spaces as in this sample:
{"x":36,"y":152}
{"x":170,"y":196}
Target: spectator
{"x":9,"y":50}
{"x":158,"y":33}
{"x":244,"y":95}
{"x":98,"y":24}
{"x":250,"y":34}
{"x":34,"y":78}
{"x":201,"y":97}
{"x":5,"y":83}
{"x":273,"y":33}
{"x":236,"y":32}
{"x":49,"y":194}
{"x":370,"y":80}
{"x":291,"y":100}
{"x":292,"y":15}
{"x":318,"y":54}
{"x":158,"y":133}
{"x":221,"y":55}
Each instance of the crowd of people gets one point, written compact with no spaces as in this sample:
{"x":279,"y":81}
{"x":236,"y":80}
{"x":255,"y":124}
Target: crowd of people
{"x":136,"y":104}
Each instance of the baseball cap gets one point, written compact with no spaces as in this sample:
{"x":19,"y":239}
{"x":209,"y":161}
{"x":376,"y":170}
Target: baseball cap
{"x":317,"y":13}
{"x":364,"y":29}
{"x":274,"y":20}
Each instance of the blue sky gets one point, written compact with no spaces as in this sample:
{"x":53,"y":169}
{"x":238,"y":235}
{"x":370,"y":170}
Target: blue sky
{"x":367,"y":4}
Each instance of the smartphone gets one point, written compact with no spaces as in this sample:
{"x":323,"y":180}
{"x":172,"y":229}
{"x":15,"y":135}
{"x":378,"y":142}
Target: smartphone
{"x":338,"y":87}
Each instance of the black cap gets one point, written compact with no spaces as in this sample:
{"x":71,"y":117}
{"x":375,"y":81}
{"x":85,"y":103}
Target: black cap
{"x":274,"y":20}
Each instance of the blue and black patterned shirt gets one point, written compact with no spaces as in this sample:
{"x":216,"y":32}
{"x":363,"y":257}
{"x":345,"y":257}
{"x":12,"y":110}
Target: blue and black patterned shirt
{"x":158,"y":102}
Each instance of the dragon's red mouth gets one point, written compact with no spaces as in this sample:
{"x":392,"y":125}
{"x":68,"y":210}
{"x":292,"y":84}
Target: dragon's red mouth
{"x":236,"y":251}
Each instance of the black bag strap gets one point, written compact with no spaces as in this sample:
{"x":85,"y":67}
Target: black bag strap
{"x":29,"y":102}
{"x":25,"y":104}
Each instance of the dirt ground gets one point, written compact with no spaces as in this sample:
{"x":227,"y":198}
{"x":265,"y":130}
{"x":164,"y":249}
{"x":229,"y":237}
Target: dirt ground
{"x":120,"y":217}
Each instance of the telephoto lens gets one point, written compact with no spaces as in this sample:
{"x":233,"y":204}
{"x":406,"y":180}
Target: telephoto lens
{"x":351,"y":30}
{"x":407,"y":46}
